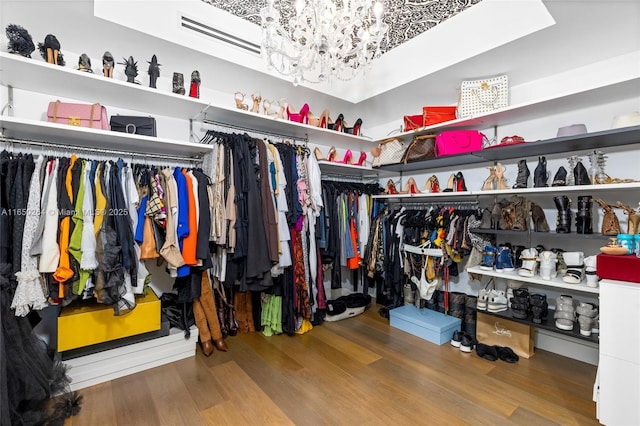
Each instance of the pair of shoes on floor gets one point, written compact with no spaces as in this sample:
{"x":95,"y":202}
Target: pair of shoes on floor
{"x":494,"y":353}
{"x":463,"y":341}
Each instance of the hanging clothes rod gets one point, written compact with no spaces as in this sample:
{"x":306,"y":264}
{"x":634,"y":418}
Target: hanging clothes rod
{"x":351,"y":179}
{"x":420,"y":206}
{"x":304,"y":139}
{"x":110,"y":152}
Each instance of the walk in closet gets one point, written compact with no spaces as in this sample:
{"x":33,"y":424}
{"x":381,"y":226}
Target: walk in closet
{"x":220,"y":250}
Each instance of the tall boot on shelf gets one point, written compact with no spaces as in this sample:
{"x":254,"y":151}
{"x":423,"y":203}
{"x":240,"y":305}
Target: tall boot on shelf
{"x":580,"y":174}
{"x":539,"y":219}
{"x":521,"y":213}
{"x":522,"y":180}
{"x":584,"y":219}
{"x":563,"y":221}
{"x":178,"y":83}
{"x":540,"y":174}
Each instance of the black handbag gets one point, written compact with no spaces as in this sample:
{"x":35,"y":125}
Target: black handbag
{"x":133,"y":124}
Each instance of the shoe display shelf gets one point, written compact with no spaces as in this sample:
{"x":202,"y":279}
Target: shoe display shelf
{"x":532,"y":234}
{"x":36,"y":75}
{"x":332,"y":169}
{"x":584,"y":142}
{"x":537,"y":280}
{"x":477,"y":195}
{"x":549,"y":324}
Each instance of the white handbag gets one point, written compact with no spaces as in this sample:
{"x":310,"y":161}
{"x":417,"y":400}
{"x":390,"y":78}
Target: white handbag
{"x":389,"y":151}
{"x":482,"y":96}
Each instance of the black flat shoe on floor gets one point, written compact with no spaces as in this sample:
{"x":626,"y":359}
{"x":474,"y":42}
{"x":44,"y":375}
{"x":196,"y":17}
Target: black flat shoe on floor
{"x":506,"y":354}
{"x":487,"y":352}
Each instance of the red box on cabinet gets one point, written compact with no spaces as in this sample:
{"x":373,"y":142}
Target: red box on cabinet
{"x":620,"y":268}
{"x":437,"y":114}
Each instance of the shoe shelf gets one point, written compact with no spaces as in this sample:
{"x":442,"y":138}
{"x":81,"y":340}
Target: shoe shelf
{"x":526,"y":192}
{"x":425,"y":198}
{"x":534,"y":110}
{"x":332,"y":169}
{"x":38,"y":76}
{"x":586,"y":142}
{"x":62,"y":134}
{"x":554,"y":282}
{"x":508,"y":232}
{"x":548,"y":324}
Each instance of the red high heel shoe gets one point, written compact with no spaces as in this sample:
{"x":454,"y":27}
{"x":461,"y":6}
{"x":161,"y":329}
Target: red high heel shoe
{"x":300,"y":117}
{"x":331,"y":155}
{"x":432,"y":185}
{"x":348,"y":158}
{"x":410,"y":187}
{"x":355,"y":130}
{"x":362,"y":159}
{"x":320,"y":121}
{"x":391,"y":188}
{"x":460,"y":186}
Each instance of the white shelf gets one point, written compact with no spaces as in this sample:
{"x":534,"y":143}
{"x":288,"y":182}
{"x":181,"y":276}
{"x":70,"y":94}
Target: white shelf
{"x":524,"y":191}
{"x":534,"y":110}
{"x":38,"y":76}
{"x":63,"y":134}
{"x":555,"y":282}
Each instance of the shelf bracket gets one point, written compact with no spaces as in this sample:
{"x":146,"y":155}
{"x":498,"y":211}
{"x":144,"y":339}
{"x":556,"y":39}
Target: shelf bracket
{"x":9,"y":104}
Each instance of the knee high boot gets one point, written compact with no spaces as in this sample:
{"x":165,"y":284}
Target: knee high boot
{"x":540,"y":175}
{"x":584,"y":221}
{"x":522,"y":180}
{"x":563,"y":222}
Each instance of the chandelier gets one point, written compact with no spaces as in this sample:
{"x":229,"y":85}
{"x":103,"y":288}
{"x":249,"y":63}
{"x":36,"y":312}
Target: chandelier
{"x":324,"y":39}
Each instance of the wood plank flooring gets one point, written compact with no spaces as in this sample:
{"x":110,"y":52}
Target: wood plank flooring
{"x":356,"y":371}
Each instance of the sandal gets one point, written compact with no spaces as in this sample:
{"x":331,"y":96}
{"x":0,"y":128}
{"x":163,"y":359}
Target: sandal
{"x":256,"y":98}
{"x":490,"y":353}
{"x":507,"y":354}
{"x":239,"y":97}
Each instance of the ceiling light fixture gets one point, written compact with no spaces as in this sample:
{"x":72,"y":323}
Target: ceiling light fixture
{"x":322,"y":39}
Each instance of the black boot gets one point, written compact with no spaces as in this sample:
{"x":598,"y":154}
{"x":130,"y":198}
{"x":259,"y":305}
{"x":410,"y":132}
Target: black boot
{"x":560,"y":179}
{"x":522,"y":179}
{"x":581,"y":175}
{"x":178,"y":83}
{"x":540,"y":175}
{"x":584,"y":222}
{"x":563,"y":222}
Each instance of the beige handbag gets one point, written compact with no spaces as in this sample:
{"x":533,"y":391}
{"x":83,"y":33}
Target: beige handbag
{"x":389,"y":151}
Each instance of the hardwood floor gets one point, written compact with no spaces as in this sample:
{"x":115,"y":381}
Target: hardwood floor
{"x":356,"y":371}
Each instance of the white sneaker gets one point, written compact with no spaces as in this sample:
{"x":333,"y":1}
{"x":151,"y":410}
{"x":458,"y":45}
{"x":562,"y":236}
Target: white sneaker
{"x":529,"y":259}
{"x":497,"y":301}
{"x":575,"y":267}
{"x":548,"y":261}
{"x":483,"y":296}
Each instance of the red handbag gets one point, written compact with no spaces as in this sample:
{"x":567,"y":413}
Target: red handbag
{"x":454,"y":142}
{"x":84,"y":115}
{"x":437,"y":114}
{"x":413,"y":122}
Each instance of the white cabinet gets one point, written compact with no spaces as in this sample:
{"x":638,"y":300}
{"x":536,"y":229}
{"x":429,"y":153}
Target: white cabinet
{"x":619,"y":366}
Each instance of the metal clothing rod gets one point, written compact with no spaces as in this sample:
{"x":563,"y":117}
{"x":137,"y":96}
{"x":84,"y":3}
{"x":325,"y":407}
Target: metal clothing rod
{"x":110,"y":152}
{"x":350,"y":179}
{"x":256,"y":131}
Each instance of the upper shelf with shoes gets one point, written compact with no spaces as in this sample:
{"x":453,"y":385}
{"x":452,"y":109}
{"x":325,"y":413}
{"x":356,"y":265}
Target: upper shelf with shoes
{"x":39,"y":76}
{"x":584,"y":142}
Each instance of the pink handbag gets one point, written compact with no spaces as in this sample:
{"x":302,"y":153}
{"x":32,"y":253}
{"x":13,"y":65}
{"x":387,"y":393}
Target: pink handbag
{"x":453,"y":142}
{"x":84,"y":115}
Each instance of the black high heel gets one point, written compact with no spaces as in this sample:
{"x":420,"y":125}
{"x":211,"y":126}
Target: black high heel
{"x":337,"y":125}
{"x":20,"y":41}
{"x":108,"y":64}
{"x":84,"y":63}
{"x":355,"y":130}
{"x":130,"y":70}
{"x":154,"y":71}
{"x":50,"y":50}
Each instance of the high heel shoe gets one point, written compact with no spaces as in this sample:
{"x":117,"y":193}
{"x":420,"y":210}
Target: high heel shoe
{"x":451,"y":183}
{"x":50,"y":50}
{"x":299,"y":117}
{"x":490,"y":182}
{"x":256,"y":98}
{"x":460,"y":185}
{"x":362,"y":159}
{"x":194,"y":88}
{"x":108,"y":64}
{"x":84,"y":63}
{"x":178,"y":83}
{"x":432,"y":185}
{"x":239,"y":97}
{"x":282,"y":103}
{"x":318,"y":154}
{"x":391,"y":188}
{"x":320,"y":121}
{"x":337,"y":125}
{"x":331,"y":155}
{"x":266,"y":108}
{"x":410,"y":187}
{"x":355,"y":130}
{"x":501,"y":182}
{"x":348,"y":158}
